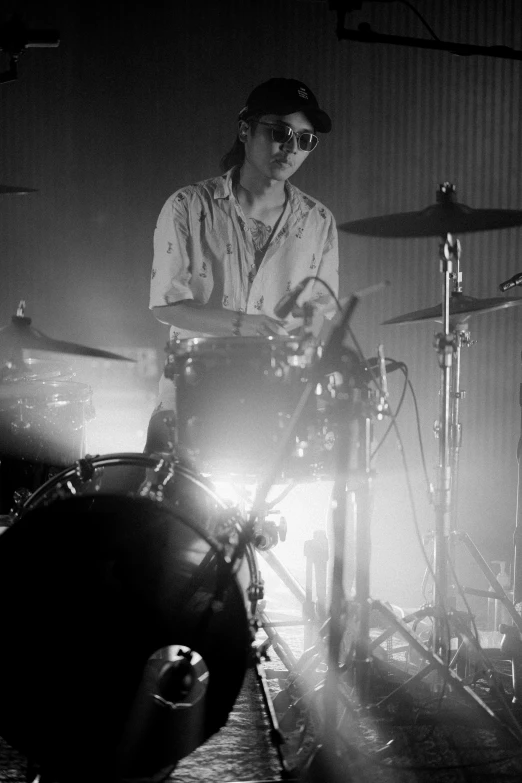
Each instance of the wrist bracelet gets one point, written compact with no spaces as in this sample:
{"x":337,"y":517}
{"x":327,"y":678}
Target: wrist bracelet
{"x":236,"y":323}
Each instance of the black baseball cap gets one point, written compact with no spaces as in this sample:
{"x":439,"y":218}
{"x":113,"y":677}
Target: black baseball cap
{"x":285,"y":96}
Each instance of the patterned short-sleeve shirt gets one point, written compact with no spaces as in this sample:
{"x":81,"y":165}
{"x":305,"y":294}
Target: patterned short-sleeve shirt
{"x":204,"y":251}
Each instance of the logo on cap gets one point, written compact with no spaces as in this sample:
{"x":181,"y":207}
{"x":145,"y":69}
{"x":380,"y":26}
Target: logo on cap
{"x":302,"y":93}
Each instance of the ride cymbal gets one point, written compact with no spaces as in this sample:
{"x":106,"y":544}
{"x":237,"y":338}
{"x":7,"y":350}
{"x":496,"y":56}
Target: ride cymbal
{"x":435,"y":220}
{"x":20,"y":335}
{"x":15,"y":190}
{"x":461,"y":307}
{"x":447,"y":216}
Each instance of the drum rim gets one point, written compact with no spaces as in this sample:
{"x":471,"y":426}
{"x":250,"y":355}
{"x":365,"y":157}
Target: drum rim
{"x":46,"y":391}
{"x":190,"y":345}
{"x":133,"y":459}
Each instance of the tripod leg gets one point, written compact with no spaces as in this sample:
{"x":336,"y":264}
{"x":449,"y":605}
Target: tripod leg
{"x":275,"y":732}
{"x":492,"y":579}
{"x":281,"y":648}
{"x":511,"y":645}
{"x":434,"y":663}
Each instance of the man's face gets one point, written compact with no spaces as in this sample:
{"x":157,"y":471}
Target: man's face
{"x":268,"y":158}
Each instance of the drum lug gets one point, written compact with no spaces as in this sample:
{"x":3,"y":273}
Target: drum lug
{"x":156,"y":478}
{"x":84,"y":469}
{"x":267,"y":533}
{"x":20,"y":497}
{"x":256,"y":590}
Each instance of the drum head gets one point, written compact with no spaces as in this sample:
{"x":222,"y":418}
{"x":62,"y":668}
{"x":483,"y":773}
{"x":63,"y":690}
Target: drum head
{"x":92,"y":587}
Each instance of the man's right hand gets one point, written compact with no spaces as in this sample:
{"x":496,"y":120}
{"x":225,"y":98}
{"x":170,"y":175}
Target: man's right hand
{"x":258,"y":325}
{"x":218,"y":322}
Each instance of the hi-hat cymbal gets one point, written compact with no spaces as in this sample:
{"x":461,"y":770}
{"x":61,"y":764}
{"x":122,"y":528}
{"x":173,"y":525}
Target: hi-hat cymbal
{"x":461,"y":307}
{"x":15,"y":190}
{"x":20,"y":335}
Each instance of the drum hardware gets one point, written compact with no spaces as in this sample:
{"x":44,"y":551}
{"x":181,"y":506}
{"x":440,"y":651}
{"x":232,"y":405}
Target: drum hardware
{"x":512,"y":641}
{"x":445,"y":219}
{"x":268,"y":533}
{"x":456,"y":311}
{"x":316,"y":552}
{"x":336,"y":358}
{"x":275,"y":640}
{"x":451,"y":218}
{"x":156,"y":479}
{"x":276,"y":735}
{"x":352,"y":420}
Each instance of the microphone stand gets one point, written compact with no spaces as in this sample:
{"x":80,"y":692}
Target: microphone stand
{"x":513,"y":634}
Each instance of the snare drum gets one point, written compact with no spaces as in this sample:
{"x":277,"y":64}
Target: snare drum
{"x":42,"y":426}
{"x":99,"y":577}
{"x":234,"y":399}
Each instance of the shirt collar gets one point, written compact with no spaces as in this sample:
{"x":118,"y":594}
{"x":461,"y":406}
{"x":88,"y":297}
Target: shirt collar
{"x":299,"y":203}
{"x":223,"y":187}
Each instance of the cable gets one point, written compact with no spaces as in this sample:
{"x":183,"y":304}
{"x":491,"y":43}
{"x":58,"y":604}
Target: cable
{"x":421,"y":443}
{"x":416,"y":522}
{"x":422,"y":19}
{"x":404,"y":370}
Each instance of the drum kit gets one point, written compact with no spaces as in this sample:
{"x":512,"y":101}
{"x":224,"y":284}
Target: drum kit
{"x":132,"y":588}
{"x":43,"y":410}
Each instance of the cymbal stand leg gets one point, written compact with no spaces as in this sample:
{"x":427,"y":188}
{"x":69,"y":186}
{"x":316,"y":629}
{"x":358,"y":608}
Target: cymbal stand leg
{"x":276,"y":734}
{"x":516,"y":663}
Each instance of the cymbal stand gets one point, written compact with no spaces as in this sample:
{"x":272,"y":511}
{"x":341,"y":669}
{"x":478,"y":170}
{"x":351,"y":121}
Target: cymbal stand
{"x":512,"y":642}
{"x":449,"y":250}
{"x":448,"y":343}
{"x":446,"y":535}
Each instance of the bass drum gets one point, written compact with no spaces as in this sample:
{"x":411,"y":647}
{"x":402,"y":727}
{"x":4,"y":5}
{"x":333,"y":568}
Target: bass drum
{"x":96,"y":579}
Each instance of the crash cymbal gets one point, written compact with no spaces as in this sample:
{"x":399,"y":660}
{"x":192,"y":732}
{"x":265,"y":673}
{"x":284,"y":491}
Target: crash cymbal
{"x":447,"y":216}
{"x":20,"y":335}
{"x":15,"y":191}
{"x":461,"y":307}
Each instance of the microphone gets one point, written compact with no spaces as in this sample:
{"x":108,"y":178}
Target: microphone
{"x":383,"y":405}
{"x":287,"y":302}
{"x":512,"y":282}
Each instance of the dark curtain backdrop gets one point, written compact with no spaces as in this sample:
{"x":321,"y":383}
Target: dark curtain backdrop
{"x":141,"y":98}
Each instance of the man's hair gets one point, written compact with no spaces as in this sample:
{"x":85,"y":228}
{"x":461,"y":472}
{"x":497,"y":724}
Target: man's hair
{"x":234,"y":157}
{"x":236,"y":154}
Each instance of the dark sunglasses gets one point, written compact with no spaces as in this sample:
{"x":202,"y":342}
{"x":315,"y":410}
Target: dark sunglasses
{"x":282,"y":134}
